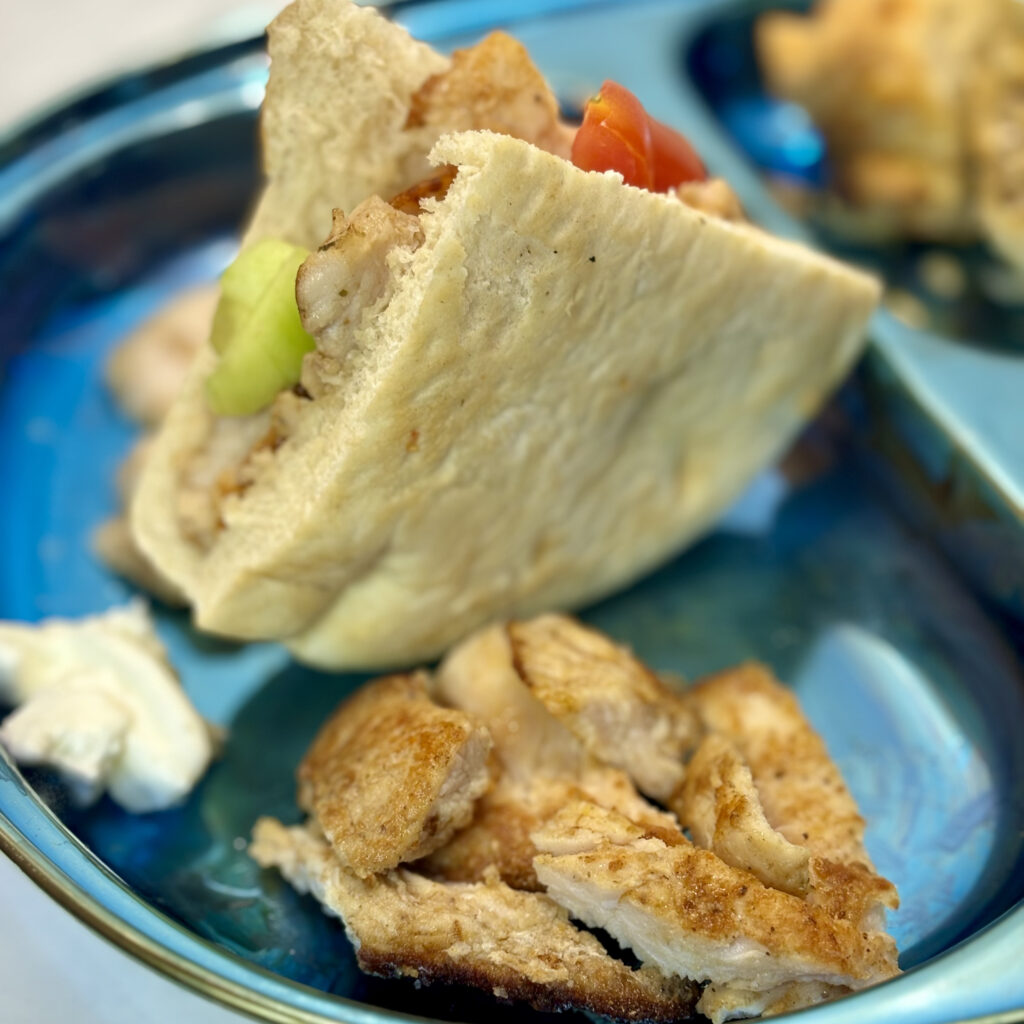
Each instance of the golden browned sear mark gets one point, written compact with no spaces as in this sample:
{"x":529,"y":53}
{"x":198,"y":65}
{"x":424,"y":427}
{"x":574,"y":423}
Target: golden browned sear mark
{"x":434,"y":187}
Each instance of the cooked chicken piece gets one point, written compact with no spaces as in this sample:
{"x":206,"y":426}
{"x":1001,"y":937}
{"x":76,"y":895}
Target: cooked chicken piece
{"x":614,"y":705}
{"x":731,"y":1002}
{"x":542,"y":766}
{"x":414,"y":200}
{"x":391,"y":776}
{"x":801,"y":790}
{"x":713,"y":196}
{"x":997,"y":124}
{"x":348,"y":279}
{"x":920,"y":104}
{"x":802,"y":830}
{"x":351,"y":276}
{"x":887,"y":83}
{"x":497,"y":839}
{"x":517,"y":945}
{"x":684,"y":910}
{"x":720,"y":806}
{"x":478,"y":676}
{"x":147,"y":369}
{"x":231,"y":441}
{"x":496,"y":87}
{"x":499,"y":835}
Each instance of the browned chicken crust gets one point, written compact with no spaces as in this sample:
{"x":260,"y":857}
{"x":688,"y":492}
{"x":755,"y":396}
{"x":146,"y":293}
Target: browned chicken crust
{"x":774,"y":904}
{"x":804,"y":803}
{"x":517,"y":945}
{"x":542,"y":764}
{"x":391,"y":775}
{"x":493,"y":86}
{"x":613,"y":704}
{"x":720,"y":805}
{"x":921,"y":106}
{"x":688,"y":912}
{"x":803,"y":795}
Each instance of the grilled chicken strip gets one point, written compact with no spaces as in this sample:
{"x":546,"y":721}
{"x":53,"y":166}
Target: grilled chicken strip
{"x":542,"y":766}
{"x":687,"y":912}
{"x":802,"y":793}
{"x":763,"y":793}
{"x":720,"y":806}
{"x":493,"y":85}
{"x":731,"y":1002}
{"x":612,"y":703}
{"x":391,"y":776}
{"x":517,"y":945}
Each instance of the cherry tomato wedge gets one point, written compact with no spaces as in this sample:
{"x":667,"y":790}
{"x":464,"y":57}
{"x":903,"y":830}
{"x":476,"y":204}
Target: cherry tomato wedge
{"x":617,"y":134}
{"x":675,"y":160}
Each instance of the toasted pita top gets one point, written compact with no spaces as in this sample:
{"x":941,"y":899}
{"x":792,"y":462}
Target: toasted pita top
{"x":354,"y":104}
{"x":566,"y":381}
{"x":391,"y":775}
{"x":331,"y":138}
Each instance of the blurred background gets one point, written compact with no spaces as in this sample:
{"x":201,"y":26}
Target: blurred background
{"x":52,"y":48}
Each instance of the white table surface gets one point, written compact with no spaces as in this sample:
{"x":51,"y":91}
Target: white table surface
{"x":52,"y":967}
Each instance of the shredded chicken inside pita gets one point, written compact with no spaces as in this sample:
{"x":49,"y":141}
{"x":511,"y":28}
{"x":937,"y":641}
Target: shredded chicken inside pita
{"x":457,"y":822}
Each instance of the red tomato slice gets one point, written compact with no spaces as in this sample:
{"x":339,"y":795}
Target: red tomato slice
{"x":675,"y":160}
{"x":617,"y":134}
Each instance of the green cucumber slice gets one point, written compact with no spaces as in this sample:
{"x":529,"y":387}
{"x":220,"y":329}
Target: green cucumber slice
{"x":257,"y":330}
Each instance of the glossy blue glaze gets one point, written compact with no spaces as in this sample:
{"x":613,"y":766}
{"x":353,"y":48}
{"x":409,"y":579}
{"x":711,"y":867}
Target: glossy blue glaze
{"x":916,"y":687}
{"x":951,"y":388}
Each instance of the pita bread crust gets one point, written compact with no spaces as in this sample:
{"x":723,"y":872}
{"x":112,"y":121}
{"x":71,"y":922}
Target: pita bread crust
{"x":333,"y":117}
{"x":592,"y":373}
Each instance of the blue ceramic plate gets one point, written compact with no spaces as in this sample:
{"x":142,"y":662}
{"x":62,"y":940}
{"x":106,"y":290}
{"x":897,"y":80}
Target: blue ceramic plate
{"x":109,"y":208}
{"x":950,"y":386}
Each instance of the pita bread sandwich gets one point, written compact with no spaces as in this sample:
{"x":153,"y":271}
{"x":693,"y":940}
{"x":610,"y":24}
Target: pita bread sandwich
{"x":511,"y":379}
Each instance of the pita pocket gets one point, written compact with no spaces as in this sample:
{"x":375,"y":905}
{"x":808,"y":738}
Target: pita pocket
{"x":529,"y":385}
